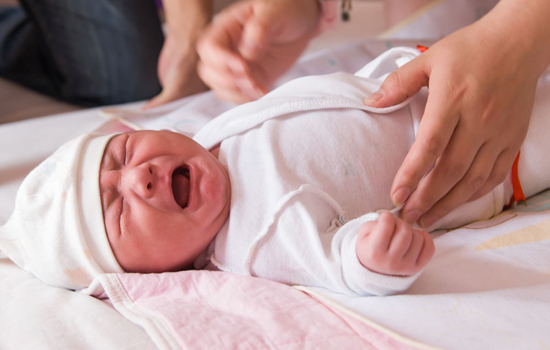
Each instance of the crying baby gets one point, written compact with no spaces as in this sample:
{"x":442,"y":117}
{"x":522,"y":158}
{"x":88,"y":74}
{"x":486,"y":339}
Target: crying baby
{"x":293,"y":188}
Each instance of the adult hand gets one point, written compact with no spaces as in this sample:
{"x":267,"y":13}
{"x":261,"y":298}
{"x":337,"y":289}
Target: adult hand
{"x":482,"y":82}
{"x":177,"y":64}
{"x":177,"y":71}
{"x":252,"y":43}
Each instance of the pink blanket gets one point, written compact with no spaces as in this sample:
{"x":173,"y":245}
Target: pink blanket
{"x":219,"y":310}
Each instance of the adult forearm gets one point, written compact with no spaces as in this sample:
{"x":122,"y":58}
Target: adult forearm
{"x":187,"y":17}
{"x":177,"y":63}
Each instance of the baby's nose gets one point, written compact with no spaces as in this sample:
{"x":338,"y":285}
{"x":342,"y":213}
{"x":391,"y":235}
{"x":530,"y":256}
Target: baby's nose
{"x":140,"y":180}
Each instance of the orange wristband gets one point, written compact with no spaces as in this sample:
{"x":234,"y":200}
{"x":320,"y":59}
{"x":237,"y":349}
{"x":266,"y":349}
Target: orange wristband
{"x":516,"y":184}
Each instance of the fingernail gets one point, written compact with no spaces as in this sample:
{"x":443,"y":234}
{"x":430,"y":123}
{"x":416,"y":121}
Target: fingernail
{"x":428,"y":220}
{"x":412,"y":216}
{"x":401,"y":196}
{"x":377,"y":96}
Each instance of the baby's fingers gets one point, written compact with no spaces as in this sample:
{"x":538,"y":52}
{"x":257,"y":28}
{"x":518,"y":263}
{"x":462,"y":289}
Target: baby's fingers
{"x":401,"y":241}
{"x":421,"y":251}
{"x":373,"y":242}
{"x":382,"y":234}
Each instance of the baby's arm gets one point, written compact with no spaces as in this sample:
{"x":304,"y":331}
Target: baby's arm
{"x":390,"y":246}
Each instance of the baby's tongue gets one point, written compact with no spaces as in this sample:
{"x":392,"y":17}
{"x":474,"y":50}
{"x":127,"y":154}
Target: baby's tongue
{"x":180,"y":187}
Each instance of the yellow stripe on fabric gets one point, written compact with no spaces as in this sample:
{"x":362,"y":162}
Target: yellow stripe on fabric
{"x":530,"y":234}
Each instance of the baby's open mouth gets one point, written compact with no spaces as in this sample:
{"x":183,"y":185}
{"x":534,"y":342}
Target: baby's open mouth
{"x":180,"y":186}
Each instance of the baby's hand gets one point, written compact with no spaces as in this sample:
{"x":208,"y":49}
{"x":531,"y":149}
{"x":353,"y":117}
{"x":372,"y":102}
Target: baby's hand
{"x":392,"y":247}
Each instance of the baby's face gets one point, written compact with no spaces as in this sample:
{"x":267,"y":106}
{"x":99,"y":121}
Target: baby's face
{"x":164,"y":198}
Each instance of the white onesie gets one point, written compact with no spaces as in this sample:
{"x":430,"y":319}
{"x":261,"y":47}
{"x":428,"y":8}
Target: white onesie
{"x":307,"y":164}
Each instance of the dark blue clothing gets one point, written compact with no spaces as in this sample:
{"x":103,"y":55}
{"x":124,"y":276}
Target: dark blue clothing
{"x":87,"y":52}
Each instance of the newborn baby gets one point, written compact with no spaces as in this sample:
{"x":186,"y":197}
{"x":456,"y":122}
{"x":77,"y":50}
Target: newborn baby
{"x":285,"y":188}
{"x":165,"y":198}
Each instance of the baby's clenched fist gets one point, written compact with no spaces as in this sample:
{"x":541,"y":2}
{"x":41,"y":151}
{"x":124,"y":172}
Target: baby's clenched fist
{"x":392,"y":247}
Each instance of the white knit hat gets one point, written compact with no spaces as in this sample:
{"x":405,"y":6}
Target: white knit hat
{"x":56,"y":231}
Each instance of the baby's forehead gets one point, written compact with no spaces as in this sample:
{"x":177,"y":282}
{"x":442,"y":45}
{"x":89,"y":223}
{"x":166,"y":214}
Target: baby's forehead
{"x":155,"y":140}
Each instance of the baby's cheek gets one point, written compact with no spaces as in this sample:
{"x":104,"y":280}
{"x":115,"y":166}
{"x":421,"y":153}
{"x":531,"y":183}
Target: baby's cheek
{"x":215,"y":191}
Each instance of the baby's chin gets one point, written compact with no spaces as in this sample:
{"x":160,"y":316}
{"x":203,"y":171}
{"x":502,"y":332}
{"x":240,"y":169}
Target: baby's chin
{"x":220,"y":192}
{"x":220,"y":187}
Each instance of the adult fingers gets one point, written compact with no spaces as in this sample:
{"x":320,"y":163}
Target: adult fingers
{"x":232,"y":96}
{"x":255,"y":36}
{"x":475,"y":177}
{"x":234,"y":88}
{"x":222,"y":67}
{"x":402,"y":83}
{"x":451,"y":167}
{"x":156,"y":101}
{"x":434,"y":133}
{"x":218,"y":45}
{"x":169,"y":91}
{"x":485,"y":173}
{"x":226,"y":27}
{"x":500,"y":171}
{"x":221,"y":70}
{"x":273,"y":23}
{"x":221,"y":77}
{"x":220,"y":57}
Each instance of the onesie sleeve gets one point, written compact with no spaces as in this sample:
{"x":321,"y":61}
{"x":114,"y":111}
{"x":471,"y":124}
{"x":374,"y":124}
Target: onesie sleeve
{"x":306,"y":242}
{"x":357,"y":278}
